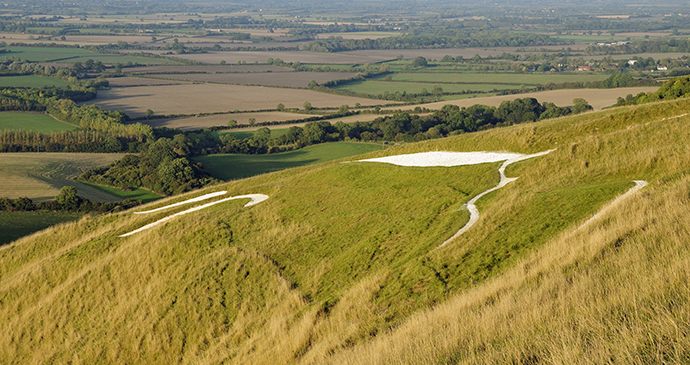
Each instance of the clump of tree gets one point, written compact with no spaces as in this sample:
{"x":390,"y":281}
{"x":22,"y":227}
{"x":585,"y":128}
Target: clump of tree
{"x":163,"y":167}
{"x":67,"y":200}
{"x":678,"y":87}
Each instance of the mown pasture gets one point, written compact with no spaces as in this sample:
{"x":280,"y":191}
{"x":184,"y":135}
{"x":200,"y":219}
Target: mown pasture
{"x":39,"y":176}
{"x":144,"y":195}
{"x":207,"y":98}
{"x":31,"y":81}
{"x":32,"y":122}
{"x":44,"y":54}
{"x":231,"y":166}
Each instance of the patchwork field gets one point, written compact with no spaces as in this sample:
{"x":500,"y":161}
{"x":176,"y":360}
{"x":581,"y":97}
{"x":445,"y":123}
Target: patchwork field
{"x":287,"y":56}
{"x":40,"y":176}
{"x":358,"y":35}
{"x":205,"y":68}
{"x":282,"y":79}
{"x":189,"y":123}
{"x":43,"y":54}
{"x":32,"y":122}
{"x":597,"y":98}
{"x":206,"y":98}
{"x":31,"y":81}
{"x":231,"y":167}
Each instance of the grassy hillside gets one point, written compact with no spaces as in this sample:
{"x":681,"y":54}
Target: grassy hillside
{"x":341,"y":264}
{"x":235,"y":166}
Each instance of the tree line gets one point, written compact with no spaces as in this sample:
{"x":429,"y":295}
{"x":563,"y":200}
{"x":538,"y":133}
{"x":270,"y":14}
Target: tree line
{"x":678,"y":87}
{"x":66,"y":200}
{"x":458,"y":38}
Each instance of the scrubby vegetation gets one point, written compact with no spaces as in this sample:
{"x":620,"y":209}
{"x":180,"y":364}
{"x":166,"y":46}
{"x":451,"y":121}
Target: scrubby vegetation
{"x":674,"y":88}
{"x":162,"y":167}
{"x":66,"y":200}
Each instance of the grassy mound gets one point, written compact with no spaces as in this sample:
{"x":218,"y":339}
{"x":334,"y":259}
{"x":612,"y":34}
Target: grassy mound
{"x":341,"y":263}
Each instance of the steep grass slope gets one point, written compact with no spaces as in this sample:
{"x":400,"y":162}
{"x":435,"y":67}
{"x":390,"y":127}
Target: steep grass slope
{"x":341,"y":263}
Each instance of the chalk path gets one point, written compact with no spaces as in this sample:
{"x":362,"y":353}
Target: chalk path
{"x":639,"y":184}
{"x":474,"y":212}
{"x":254,"y":199}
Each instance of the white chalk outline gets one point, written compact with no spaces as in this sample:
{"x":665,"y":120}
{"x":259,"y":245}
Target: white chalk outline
{"x":193,"y":200}
{"x":254,"y":199}
{"x":474,"y":212}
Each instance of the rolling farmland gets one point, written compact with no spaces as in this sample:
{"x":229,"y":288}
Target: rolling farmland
{"x":204,"y":98}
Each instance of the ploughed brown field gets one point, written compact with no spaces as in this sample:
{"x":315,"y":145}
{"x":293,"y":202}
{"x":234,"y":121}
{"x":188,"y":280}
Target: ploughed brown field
{"x":282,"y":79}
{"x":140,"y":81}
{"x":190,"y":123}
{"x":597,"y":98}
{"x":205,"y":68}
{"x":208,"y":98}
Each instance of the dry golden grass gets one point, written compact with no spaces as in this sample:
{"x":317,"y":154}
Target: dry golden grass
{"x":206,"y":98}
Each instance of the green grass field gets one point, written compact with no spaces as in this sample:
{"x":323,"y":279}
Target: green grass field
{"x":31,"y":81}
{"x":14,"y":225}
{"x":45,"y":54}
{"x":517,"y":79}
{"x":379,"y":87}
{"x":32,"y":122}
{"x":230,"y":167}
{"x":144,"y":195}
{"x":240,"y":134}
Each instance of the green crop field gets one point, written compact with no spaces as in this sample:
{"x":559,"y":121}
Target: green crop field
{"x":32,"y":122}
{"x":43,"y":54}
{"x":517,"y":79}
{"x":230,"y":167}
{"x":40,"y":175}
{"x":14,"y":225}
{"x":31,"y":81}
{"x":144,"y":195}
{"x":379,"y":87}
